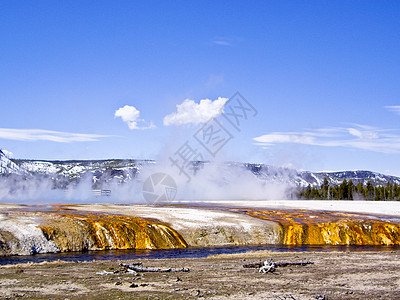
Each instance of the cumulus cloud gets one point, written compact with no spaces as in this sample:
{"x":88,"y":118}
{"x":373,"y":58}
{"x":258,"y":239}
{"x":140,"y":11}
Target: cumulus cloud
{"x":47,"y":135}
{"x":356,"y":137}
{"x":131,"y":116}
{"x":395,"y":108}
{"x":190,"y":112}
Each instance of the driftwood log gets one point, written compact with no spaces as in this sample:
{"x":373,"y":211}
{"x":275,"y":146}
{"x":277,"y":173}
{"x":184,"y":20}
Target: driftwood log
{"x":270,"y":266}
{"x":137,"y":267}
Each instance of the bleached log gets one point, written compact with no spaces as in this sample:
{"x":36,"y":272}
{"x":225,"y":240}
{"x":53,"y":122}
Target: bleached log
{"x":139,"y":268}
{"x":270,"y":266}
{"x":129,"y":265}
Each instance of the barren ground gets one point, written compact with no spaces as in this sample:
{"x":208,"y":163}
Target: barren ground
{"x":334,"y":275}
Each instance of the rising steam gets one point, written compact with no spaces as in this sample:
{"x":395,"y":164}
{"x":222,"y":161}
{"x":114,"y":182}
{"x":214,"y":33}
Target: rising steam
{"x":208,"y":181}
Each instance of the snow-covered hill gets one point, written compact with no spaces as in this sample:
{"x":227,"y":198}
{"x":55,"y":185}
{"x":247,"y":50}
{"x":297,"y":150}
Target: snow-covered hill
{"x":315,"y":179}
{"x":355,"y":176}
{"x":7,"y":166}
{"x":100,"y":172}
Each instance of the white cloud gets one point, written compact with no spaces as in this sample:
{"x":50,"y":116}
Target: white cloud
{"x":190,"y":112}
{"x":364,"y":134}
{"x":356,"y":137}
{"x":395,"y":108}
{"x":275,"y":138}
{"x":355,"y":132}
{"x":131,"y":116}
{"x":47,"y":135}
{"x":227,"y":41}
{"x":222,"y":43}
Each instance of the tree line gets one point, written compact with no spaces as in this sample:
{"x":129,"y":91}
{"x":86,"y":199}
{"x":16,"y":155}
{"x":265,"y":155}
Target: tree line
{"x":347,"y":190}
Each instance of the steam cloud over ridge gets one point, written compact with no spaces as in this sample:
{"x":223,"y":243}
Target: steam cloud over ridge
{"x":72,"y":182}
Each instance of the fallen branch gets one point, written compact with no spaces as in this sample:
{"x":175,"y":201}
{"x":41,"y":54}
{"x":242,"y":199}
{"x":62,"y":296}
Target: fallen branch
{"x":139,"y":268}
{"x":270,"y":265}
{"x":104,"y":272}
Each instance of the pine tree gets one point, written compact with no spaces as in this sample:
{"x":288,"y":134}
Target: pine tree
{"x":325,"y":189}
{"x":396,"y":192}
{"x":369,"y":191}
{"x":350,"y":189}
{"x":343,"y":190}
{"x":360,"y":191}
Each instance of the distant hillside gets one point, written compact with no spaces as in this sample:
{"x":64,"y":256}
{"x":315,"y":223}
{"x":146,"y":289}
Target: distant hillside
{"x":63,"y":173}
{"x":123,"y":170}
{"x":315,"y":179}
{"x":7,"y":166}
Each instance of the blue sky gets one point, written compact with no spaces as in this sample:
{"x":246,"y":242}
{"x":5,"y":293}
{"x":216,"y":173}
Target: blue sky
{"x":324,"y":77}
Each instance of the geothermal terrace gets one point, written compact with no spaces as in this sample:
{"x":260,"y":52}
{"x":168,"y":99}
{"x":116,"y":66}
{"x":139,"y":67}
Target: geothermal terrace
{"x":28,"y":229}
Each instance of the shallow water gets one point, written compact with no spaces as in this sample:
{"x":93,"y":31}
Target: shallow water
{"x":177,"y":253}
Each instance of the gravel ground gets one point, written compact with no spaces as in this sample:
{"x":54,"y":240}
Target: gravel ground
{"x":334,"y":275}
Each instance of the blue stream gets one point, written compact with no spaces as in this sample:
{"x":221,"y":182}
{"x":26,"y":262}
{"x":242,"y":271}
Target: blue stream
{"x":176,"y":253}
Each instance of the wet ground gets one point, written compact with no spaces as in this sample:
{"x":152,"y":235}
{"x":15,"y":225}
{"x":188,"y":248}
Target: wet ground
{"x":334,"y":275}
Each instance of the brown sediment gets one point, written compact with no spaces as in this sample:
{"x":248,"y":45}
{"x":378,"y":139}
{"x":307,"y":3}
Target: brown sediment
{"x":89,"y":231}
{"x":303,"y":227}
{"x":218,"y":226}
{"x":334,"y":275}
{"x":101,"y":227}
